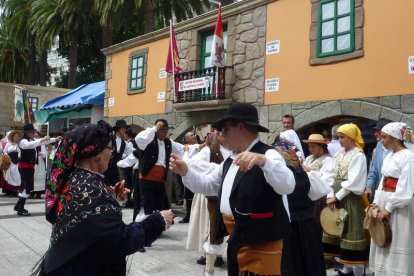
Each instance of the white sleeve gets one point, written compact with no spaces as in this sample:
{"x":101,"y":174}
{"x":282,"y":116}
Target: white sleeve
{"x":127,"y":162}
{"x":128,"y":149}
{"x":277,"y":174}
{"x":177,"y":149}
{"x":321,"y":181}
{"x":204,"y":184}
{"x":357,"y":177}
{"x":404,"y":191}
{"x":145,"y":137}
{"x":25,"y":144}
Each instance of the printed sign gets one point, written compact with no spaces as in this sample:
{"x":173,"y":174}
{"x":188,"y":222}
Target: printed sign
{"x":192,"y":84}
{"x":111,"y":101}
{"x":411,"y":65}
{"x":160,"y":96}
{"x":272,"y":85}
{"x":273,"y":47}
{"x":163,"y":73}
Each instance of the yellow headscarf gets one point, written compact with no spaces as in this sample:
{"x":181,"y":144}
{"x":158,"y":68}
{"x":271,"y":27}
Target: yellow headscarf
{"x":353,"y":132}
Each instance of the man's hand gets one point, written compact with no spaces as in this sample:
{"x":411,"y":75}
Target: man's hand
{"x":368,"y":192}
{"x":186,"y":147}
{"x":159,"y":125}
{"x":59,"y":138}
{"x":246,"y":160}
{"x":177,"y":165}
{"x":383,"y":214}
{"x":46,"y":138}
{"x":331,"y":202}
{"x":169,"y":216}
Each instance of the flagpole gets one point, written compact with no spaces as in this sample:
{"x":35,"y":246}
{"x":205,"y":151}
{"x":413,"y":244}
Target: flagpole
{"x":172,"y":58}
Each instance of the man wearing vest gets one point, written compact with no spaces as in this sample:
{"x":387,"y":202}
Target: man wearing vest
{"x":251,"y":186}
{"x":120,"y":151}
{"x":155,"y":152}
{"x":27,"y":162}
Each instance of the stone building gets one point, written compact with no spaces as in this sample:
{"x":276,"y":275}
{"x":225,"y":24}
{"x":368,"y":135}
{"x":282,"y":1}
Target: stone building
{"x":325,"y":62}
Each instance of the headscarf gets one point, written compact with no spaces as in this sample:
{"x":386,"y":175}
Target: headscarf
{"x":85,"y":141}
{"x":289,"y":154}
{"x":353,"y":132}
{"x":396,"y":130}
{"x":291,"y":136}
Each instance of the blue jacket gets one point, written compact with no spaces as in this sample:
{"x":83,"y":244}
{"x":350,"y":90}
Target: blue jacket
{"x":374,"y":174}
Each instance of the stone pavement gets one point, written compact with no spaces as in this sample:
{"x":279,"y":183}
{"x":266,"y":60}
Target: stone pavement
{"x":23,"y":240}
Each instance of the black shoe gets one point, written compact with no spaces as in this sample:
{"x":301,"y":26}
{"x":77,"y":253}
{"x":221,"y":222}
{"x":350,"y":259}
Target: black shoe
{"x":340,"y":273}
{"x":16,"y":208}
{"x":23,"y":214}
{"x":184,"y":220}
{"x":219,"y":262}
{"x":202,"y":261}
{"x":142,"y":250}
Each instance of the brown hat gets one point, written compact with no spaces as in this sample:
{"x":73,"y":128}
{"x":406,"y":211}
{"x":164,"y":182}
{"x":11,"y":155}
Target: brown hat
{"x":11,"y":133}
{"x":315,"y":138}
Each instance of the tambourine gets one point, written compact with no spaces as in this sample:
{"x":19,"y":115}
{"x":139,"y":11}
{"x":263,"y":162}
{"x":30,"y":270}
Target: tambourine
{"x":5,"y":162}
{"x":329,"y":218}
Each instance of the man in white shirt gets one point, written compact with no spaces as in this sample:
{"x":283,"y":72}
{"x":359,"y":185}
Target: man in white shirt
{"x":251,"y":186}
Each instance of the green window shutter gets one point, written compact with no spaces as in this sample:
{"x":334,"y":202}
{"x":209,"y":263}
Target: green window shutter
{"x":136,"y":71}
{"x":336,"y":27}
{"x":206,"y":45}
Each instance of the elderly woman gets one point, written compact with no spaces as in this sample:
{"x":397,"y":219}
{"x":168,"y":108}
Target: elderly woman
{"x":394,"y":198}
{"x":319,"y":167}
{"x":349,"y":184}
{"x":292,"y":137}
{"x":88,"y":234}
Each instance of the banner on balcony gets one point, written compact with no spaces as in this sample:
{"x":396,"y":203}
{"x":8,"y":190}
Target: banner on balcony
{"x":193,"y":84}
{"x":217,"y":50}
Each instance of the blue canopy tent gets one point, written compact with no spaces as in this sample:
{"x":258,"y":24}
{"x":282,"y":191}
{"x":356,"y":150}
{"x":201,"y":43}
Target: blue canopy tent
{"x":76,"y":103}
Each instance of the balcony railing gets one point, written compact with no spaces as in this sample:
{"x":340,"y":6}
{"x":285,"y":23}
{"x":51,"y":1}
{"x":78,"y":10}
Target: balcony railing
{"x":200,"y":85}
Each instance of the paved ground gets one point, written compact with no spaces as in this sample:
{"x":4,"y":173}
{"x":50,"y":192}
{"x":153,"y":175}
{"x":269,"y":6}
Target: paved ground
{"x":23,"y":240}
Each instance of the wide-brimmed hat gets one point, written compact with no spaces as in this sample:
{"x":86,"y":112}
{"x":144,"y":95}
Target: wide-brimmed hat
{"x":242,"y":112}
{"x":28,"y":127}
{"x":11,"y":133}
{"x":164,"y":124}
{"x":315,"y":138}
{"x":119,"y":124}
{"x":381,"y":123}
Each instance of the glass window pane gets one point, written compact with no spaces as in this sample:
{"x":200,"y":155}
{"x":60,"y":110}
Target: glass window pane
{"x":134,"y":74}
{"x":344,"y":24}
{"x":327,"y":45}
{"x":140,"y":72}
{"x":209,"y":43}
{"x":225,"y":39}
{"x":344,"y":42}
{"x":139,"y":83}
{"x":133,"y":84}
{"x":328,"y":10}
{"x":328,"y":28}
{"x":134,"y":63}
{"x":140,"y":62}
{"x":207,"y":63}
{"x":344,"y":6}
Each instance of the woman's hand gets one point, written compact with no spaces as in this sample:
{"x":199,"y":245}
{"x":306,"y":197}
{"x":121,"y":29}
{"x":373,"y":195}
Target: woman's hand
{"x":306,"y":169}
{"x":331,"y":202}
{"x":120,"y":191}
{"x":383,"y":214}
{"x":168,"y":216}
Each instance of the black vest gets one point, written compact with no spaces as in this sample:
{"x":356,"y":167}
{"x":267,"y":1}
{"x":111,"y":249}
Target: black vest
{"x":150,"y":156}
{"x":28,"y":155}
{"x":251,"y":194}
{"x":300,"y":205}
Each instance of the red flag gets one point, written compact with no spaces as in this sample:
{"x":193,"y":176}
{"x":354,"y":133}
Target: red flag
{"x":170,"y":66}
{"x":217,"y":50}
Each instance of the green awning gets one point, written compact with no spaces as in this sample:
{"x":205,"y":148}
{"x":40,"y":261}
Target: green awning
{"x":78,"y":111}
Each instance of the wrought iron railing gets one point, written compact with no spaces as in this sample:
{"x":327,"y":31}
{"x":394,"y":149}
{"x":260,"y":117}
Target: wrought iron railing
{"x":200,"y":85}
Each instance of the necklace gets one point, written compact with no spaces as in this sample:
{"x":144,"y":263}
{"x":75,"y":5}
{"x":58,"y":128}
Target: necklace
{"x":91,"y":171}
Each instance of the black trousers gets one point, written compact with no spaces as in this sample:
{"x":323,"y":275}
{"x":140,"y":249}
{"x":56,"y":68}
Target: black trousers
{"x":153,"y":196}
{"x":232,"y":264}
{"x":27,"y":180}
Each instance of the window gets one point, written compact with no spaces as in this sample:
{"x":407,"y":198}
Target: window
{"x":34,"y":102}
{"x":207,"y":44}
{"x":137,"y":71}
{"x":336,"y":33}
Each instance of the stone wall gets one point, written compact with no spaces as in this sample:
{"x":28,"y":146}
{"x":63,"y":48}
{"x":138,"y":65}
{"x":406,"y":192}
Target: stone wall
{"x":7,"y":101}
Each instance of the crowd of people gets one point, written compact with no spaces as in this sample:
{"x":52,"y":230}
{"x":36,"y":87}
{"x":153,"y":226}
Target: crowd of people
{"x":261,"y":202}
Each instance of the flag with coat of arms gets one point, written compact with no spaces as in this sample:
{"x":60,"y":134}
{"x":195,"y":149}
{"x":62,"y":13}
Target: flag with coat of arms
{"x":217,"y":51}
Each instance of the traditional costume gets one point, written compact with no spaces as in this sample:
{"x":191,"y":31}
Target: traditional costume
{"x":395,"y":194}
{"x":12,"y":176}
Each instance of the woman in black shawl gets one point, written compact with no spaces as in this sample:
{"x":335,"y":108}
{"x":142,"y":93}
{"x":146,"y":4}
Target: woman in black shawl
{"x":88,"y":234}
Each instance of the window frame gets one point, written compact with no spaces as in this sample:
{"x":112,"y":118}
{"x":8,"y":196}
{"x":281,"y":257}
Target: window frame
{"x":204,"y":36}
{"x":36,"y":99}
{"x":335,"y":35}
{"x":142,"y":53}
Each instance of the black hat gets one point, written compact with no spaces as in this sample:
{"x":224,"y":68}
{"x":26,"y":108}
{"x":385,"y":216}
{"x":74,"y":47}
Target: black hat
{"x":119,"y":124}
{"x":381,"y":123}
{"x":242,"y":112}
{"x":165,"y":124}
{"x":28,"y":127}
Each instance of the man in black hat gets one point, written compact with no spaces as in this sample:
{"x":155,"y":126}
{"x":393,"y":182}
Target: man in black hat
{"x":27,"y":162}
{"x":374,"y":174}
{"x":121,"y":150}
{"x":251,"y":186}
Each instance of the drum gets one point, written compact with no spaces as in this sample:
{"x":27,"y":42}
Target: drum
{"x":329,"y":220}
{"x":5,"y":162}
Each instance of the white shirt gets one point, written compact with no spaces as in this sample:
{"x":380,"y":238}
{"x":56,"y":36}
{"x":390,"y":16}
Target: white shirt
{"x":276,"y":173}
{"x":333,"y":147}
{"x":146,"y":136}
{"x":128,"y":147}
{"x":26,"y":144}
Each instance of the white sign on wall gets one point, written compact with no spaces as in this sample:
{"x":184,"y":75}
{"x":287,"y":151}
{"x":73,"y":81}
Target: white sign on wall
{"x":272,"y":85}
{"x":163,"y":73}
{"x":111,"y":102}
{"x":192,"y":84}
{"x":160,"y":96}
{"x":273,"y":47}
{"x":411,"y":65}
